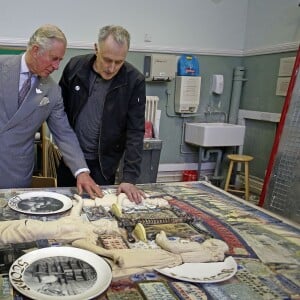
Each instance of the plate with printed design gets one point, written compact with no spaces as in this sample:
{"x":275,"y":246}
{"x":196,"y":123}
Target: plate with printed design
{"x":60,"y":273}
{"x":40,"y":203}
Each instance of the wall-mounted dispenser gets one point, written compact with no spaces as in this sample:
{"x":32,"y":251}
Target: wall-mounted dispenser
{"x":187,"y":84}
{"x":188,"y":65}
{"x":160,"y":67}
{"x":187,"y":94}
{"x":217,"y":85}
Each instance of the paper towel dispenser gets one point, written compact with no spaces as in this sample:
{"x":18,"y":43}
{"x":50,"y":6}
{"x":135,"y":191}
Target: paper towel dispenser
{"x":159,"y":67}
{"x":187,"y":94}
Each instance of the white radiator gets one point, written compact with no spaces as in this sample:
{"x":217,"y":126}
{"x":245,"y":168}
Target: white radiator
{"x":151,"y":108}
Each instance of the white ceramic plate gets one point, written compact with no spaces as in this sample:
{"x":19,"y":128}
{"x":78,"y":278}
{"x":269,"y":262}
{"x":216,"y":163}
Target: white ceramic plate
{"x":40,"y":203}
{"x":202,"y":272}
{"x":60,"y":273}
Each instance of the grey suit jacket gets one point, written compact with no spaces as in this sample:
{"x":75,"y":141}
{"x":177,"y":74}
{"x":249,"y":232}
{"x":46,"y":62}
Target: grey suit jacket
{"x":18,"y":126}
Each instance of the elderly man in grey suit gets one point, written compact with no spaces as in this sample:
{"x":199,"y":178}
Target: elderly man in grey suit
{"x":28,"y":97}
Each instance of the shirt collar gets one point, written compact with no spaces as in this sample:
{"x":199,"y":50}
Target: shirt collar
{"x":24,"y":68}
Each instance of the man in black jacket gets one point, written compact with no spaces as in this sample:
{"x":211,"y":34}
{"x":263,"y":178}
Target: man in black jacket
{"x":104,"y":98}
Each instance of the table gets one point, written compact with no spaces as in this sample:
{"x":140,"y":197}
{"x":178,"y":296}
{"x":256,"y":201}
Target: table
{"x":266,"y":247}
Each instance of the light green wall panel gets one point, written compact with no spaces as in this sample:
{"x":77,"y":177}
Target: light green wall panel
{"x":258,"y":94}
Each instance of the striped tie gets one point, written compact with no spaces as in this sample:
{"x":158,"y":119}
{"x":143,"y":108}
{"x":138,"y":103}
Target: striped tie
{"x":24,"y":89}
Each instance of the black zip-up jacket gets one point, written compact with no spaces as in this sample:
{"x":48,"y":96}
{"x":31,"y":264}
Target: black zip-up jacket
{"x":123,"y":120}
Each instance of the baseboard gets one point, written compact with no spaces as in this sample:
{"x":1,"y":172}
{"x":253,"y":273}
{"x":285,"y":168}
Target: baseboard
{"x":174,"y":172}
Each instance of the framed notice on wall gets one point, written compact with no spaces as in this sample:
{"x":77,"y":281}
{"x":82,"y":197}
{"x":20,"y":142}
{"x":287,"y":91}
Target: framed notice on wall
{"x":284,"y":75}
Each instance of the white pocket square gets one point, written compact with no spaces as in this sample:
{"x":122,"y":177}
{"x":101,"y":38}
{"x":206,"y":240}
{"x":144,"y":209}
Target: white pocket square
{"x":44,"y":101}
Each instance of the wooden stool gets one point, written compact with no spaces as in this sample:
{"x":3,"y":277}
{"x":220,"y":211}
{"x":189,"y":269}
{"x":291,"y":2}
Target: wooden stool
{"x":236,"y":158}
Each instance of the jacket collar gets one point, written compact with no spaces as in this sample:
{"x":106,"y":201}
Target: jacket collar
{"x":84,"y":73}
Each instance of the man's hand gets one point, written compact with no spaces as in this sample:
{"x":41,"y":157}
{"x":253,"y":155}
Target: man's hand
{"x":86,"y":183}
{"x":132,"y":192}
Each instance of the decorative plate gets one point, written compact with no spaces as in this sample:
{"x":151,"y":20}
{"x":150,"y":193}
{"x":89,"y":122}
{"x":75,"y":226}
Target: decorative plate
{"x":203,"y":272}
{"x":60,"y":273}
{"x":40,"y":203}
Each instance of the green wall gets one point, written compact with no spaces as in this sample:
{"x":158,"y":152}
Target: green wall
{"x":171,"y":124}
{"x":10,"y":51}
{"x":258,"y":94}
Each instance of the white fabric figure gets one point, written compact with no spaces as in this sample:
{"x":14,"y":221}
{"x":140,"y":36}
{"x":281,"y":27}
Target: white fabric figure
{"x":74,"y":230}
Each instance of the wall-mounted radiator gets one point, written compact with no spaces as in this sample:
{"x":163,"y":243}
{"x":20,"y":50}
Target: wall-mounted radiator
{"x":151,"y":108}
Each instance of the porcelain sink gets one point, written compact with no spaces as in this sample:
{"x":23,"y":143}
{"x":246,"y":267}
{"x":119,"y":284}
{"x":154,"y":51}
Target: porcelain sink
{"x":214,"y":134}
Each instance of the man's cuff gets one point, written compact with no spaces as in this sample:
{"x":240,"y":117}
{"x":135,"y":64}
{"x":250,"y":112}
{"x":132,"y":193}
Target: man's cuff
{"x":81,"y":171}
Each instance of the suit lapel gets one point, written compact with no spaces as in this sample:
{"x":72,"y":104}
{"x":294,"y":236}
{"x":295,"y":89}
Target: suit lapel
{"x":9,"y":86}
{"x":30,"y":103}
{"x":34,"y":97}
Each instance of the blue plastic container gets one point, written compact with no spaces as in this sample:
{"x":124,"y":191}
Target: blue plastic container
{"x":188,"y":65}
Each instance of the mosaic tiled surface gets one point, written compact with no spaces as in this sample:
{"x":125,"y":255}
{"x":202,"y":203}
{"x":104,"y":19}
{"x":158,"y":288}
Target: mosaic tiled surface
{"x":265,"y":248}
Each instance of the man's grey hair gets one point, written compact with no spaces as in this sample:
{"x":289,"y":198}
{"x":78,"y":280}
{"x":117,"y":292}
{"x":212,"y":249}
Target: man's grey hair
{"x":120,"y":34}
{"x":45,"y":35}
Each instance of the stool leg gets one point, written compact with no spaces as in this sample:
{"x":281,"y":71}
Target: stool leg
{"x":246,"y":181}
{"x":228,"y":175}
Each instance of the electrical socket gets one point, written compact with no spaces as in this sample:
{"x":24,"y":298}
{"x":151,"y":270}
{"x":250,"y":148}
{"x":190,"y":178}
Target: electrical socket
{"x":147,"y":38}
